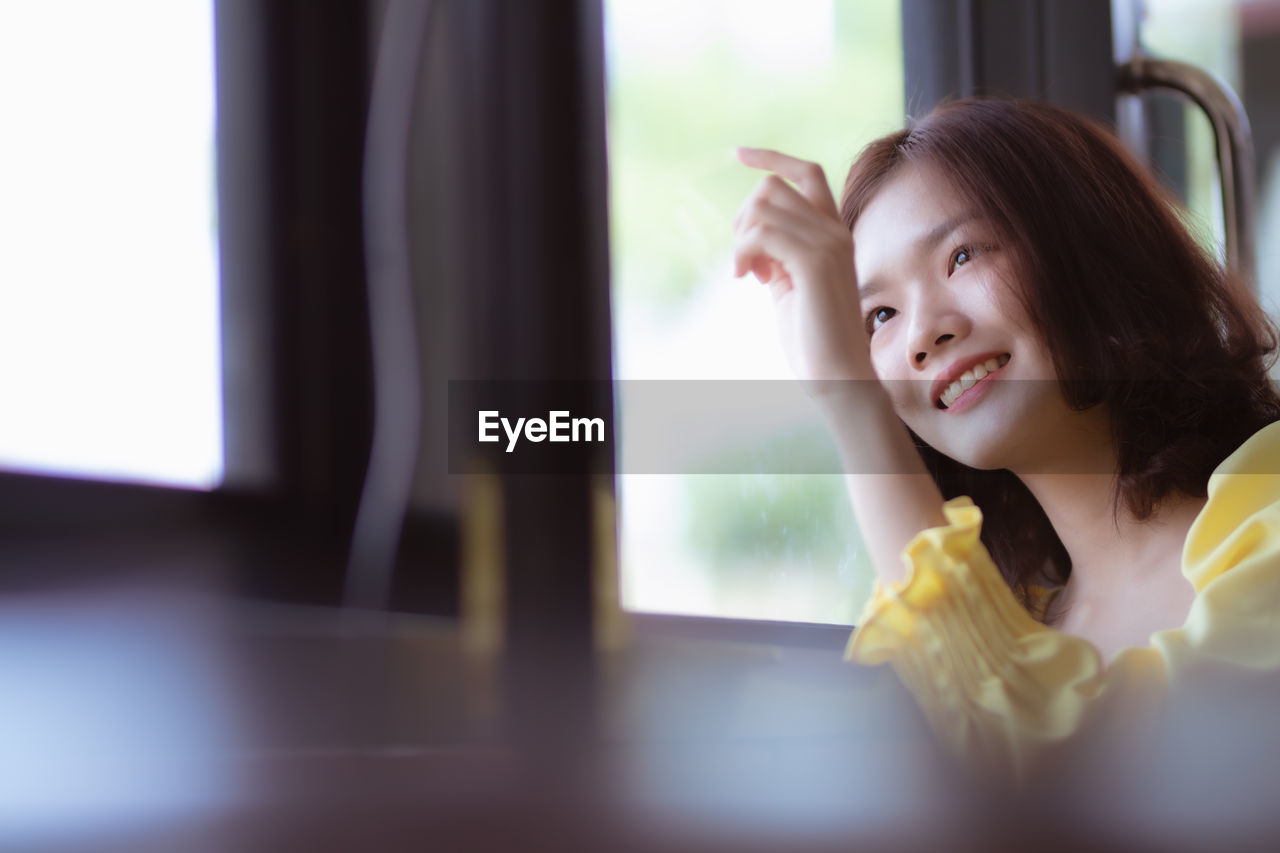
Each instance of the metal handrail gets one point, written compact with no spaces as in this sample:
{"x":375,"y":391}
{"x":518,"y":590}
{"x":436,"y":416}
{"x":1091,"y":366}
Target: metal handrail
{"x":1233,"y":143}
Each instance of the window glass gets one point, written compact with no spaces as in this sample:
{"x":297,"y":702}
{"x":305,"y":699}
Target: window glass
{"x":688,"y":81}
{"x":1240,"y":43}
{"x":109,"y":334}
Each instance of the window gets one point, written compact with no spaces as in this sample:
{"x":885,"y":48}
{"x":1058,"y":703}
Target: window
{"x":121,"y":382}
{"x":1237,"y":42}
{"x":686,"y":83}
{"x":109,"y":331}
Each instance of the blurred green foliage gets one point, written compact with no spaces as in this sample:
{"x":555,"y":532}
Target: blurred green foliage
{"x":672,"y":129}
{"x":764,"y":516}
{"x":674,"y":189}
{"x":761,"y":529}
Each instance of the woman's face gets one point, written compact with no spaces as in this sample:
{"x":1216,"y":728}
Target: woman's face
{"x":939,"y":300}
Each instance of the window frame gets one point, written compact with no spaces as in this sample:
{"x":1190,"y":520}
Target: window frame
{"x":292,"y":90}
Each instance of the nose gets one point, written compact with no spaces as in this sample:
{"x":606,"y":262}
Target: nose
{"x":936,"y":323}
{"x":923,"y":354}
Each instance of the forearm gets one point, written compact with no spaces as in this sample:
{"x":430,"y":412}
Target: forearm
{"x":892,"y":494}
{"x":791,"y":236}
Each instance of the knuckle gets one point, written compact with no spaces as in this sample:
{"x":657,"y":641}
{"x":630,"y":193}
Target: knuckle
{"x":760,"y":207}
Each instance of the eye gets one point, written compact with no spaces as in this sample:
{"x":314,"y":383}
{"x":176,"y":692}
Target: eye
{"x":960,"y":257}
{"x":877,"y":317}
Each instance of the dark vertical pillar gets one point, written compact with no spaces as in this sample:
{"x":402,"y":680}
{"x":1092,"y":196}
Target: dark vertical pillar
{"x":293,"y":91}
{"x":1059,"y":50}
{"x":250,"y":460}
{"x":1260,"y":57}
{"x":320,"y":94}
{"x":536,"y":277}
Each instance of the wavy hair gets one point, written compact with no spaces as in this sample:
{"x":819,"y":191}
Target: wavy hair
{"x":1136,"y":314}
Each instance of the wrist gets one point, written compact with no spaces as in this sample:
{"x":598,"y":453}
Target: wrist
{"x":842,"y":399}
{"x":856,"y":407}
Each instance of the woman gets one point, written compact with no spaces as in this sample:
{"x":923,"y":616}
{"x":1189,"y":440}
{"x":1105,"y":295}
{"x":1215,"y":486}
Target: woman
{"x":1007,"y":282}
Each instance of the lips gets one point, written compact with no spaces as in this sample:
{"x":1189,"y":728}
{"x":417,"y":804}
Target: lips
{"x":956,"y":370}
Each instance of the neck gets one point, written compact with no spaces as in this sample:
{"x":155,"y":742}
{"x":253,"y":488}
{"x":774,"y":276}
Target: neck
{"x":1108,"y":547}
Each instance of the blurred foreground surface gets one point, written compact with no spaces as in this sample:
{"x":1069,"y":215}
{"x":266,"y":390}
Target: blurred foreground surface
{"x":141,"y":720}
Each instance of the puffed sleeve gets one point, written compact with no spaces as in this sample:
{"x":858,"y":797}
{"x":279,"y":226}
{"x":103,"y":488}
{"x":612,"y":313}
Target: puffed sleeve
{"x":999,"y":688}
{"x":994,"y":684}
{"x":1232,"y":558}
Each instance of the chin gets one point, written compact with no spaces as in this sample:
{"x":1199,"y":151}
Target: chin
{"x":983,"y":456}
{"x":987,"y":444}
{"x":1001,"y":432}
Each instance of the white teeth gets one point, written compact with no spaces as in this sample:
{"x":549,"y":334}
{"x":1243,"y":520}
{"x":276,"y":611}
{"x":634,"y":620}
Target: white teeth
{"x":971,"y":377}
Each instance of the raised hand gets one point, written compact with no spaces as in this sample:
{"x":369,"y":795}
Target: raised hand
{"x":789,"y":235}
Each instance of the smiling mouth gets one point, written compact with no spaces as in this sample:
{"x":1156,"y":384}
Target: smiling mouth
{"x":970,"y":378}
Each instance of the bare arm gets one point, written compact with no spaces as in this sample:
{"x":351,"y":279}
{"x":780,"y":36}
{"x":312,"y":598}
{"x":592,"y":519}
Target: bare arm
{"x":790,"y":236}
{"x":892,"y":495}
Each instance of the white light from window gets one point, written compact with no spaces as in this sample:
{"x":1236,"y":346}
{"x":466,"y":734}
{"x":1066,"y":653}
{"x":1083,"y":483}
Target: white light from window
{"x":109,"y":333}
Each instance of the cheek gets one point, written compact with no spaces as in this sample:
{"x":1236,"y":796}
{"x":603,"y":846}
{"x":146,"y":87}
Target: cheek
{"x":878,"y":362}
{"x":905,"y":395}
{"x":1003,"y":292}
{"x":885,"y":352}
{"x":887,"y":364}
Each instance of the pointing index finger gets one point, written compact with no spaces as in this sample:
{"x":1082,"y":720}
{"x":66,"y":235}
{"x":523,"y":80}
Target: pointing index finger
{"x":807,"y":176}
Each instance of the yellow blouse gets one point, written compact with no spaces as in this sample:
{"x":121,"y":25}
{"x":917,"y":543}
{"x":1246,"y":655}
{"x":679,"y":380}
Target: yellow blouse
{"x":1001,"y":689}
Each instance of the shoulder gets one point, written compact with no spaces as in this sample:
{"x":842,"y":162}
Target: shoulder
{"x":1241,"y":519}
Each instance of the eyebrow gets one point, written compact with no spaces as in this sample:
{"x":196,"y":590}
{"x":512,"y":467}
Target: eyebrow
{"x":925,"y":244}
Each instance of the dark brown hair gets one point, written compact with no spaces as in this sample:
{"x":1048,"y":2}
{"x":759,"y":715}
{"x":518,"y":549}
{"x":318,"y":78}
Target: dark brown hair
{"x":1136,"y":314}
